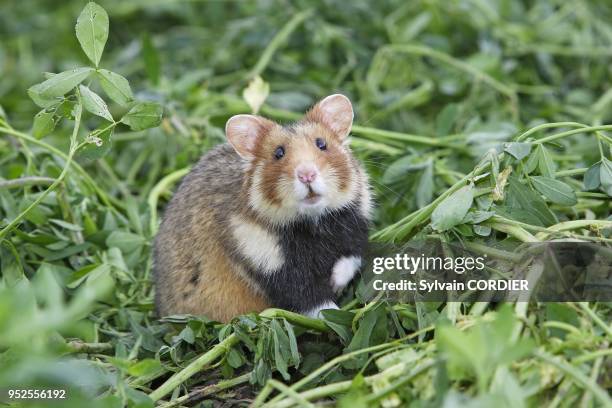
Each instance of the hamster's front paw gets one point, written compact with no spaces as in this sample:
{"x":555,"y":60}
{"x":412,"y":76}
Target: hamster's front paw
{"x":344,"y":270}
{"x":315,"y":313}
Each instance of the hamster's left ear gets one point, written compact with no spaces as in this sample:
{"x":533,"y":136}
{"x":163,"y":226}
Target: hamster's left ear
{"x":335,"y":112}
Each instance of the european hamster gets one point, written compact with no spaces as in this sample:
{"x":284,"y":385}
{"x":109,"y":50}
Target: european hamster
{"x":277,"y":217}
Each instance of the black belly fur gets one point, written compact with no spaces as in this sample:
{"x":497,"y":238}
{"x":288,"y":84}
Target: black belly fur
{"x":311,"y":249}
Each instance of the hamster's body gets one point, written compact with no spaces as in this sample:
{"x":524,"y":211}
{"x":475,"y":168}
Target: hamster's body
{"x":241,"y":234}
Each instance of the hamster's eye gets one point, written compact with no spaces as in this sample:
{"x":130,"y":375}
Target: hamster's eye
{"x":321,"y":143}
{"x":279,"y":152}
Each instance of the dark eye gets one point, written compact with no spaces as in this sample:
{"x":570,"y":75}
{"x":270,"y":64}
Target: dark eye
{"x":279,"y":152}
{"x":321,"y":143}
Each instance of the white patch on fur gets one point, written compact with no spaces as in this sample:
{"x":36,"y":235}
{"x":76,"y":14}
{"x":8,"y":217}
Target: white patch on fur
{"x":258,"y":245}
{"x":344,"y":270}
{"x":316,"y":312}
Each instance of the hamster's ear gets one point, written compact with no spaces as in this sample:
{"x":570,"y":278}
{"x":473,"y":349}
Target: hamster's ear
{"x":335,"y":112}
{"x":244,"y":131}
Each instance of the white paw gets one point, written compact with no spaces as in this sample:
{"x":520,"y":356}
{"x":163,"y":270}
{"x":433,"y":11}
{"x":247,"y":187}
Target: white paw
{"x":344,"y":270}
{"x":316,"y":312}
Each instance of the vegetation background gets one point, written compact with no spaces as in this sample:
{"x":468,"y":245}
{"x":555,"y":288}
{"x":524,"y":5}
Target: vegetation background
{"x":481,"y":122}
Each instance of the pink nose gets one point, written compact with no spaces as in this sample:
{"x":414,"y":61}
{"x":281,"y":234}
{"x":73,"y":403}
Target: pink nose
{"x":307,"y":176}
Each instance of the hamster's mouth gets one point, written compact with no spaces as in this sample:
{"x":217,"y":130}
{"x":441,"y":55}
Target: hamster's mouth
{"x":311,"y":197}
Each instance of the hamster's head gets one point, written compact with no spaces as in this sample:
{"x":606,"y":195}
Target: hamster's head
{"x":302,"y":170}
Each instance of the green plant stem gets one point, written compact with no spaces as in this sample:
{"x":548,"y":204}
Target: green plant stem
{"x":583,"y":194}
{"x":555,"y":49}
{"x":25,"y":182}
{"x":342,"y":386}
{"x":583,"y":358}
{"x":296,"y":318}
{"x":349,"y":356}
{"x":263,"y":395}
{"x":299,"y":400}
{"x":206,"y":391}
{"x":572,"y":132}
{"x":494,"y":252}
{"x":577,"y":376}
{"x":378,"y":134}
{"x":572,"y":225}
{"x":372,"y":146}
{"x":221,"y":348}
{"x":78,"y":346}
{"x":404,"y":379}
{"x":571,"y":172}
{"x":194,"y":367}
{"x":279,"y":39}
{"x":161,"y":186}
{"x":563,"y":326}
{"x":107,"y":200}
{"x":606,"y":327}
{"x":543,"y":126}
{"x":513,"y":230}
{"x":500,"y":87}
{"x":73,"y":149}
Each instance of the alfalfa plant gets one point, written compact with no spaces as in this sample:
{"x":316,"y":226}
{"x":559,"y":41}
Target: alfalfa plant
{"x":69,"y":94}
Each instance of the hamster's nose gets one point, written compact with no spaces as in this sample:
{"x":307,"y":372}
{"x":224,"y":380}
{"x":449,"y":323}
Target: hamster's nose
{"x":306,"y":174}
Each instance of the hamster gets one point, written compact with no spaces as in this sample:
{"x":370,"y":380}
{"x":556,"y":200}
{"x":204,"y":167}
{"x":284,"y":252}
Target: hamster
{"x":276,"y":217}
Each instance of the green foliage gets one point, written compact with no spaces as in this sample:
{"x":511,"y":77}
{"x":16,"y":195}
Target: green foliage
{"x":92,"y":31}
{"x":480,"y":122}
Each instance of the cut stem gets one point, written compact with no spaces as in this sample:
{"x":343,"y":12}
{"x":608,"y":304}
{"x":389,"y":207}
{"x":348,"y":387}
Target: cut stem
{"x":194,"y":367}
{"x":26,"y":181}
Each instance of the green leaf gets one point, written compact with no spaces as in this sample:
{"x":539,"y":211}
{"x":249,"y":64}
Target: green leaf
{"x":340,"y":321}
{"x":94,"y":104}
{"x":525,"y":205}
{"x":295,"y":355}
{"x":234,"y":358}
{"x":592,"y":179}
{"x":116,"y":87}
{"x":398,"y":169}
{"x":125,"y":241}
{"x":556,"y":191}
{"x":44,"y":123}
{"x":453,"y":209}
{"x":446,"y":118}
{"x":281,"y":363}
{"x":144,"y":367}
{"x":187,"y":335}
{"x":425,"y":187}
{"x":373,"y":329}
{"x":545,"y":162}
{"x":92,"y":31}
{"x":60,"y":84}
{"x":151,"y":59}
{"x":34,"y":93}
{"x":100,"y":145}
{"x":477,"y":216}
{"x":605,"y":176}
{"x":143,"y":115}
{"x":517,"y":149}
{"x":531,"y":163}
{"x":482,"y":230}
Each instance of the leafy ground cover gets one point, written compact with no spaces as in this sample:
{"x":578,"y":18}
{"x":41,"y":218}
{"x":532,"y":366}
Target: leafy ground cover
{"x":481,"y":123}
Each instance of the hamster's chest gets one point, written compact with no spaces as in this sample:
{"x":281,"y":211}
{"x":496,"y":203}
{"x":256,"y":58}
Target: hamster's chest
{"x":316,"y":247}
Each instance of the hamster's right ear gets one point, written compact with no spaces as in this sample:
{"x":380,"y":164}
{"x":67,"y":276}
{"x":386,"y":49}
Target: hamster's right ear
{"x":244,"y":131}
